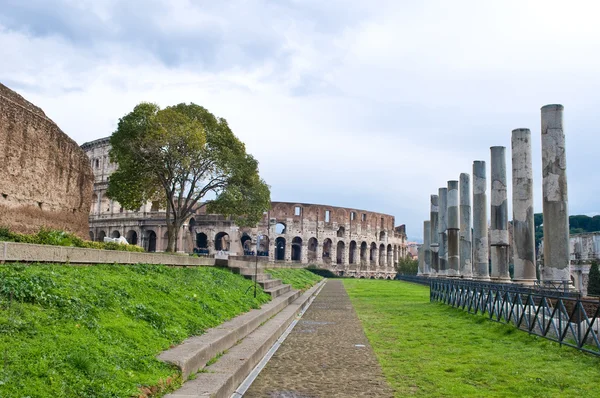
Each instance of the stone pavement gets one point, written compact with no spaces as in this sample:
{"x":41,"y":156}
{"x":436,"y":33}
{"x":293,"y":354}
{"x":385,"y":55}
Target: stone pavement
{"x":326,"y":355}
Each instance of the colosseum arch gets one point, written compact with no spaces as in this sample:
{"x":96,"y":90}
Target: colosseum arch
{"x":151,"y":239}
{"x":352,"y":259}
{"x":201,"y":240}
{"x":280,"y":249}
{"x":372,"y":253}
{"x":364,"y":255}
{"x":263,"y":245}
{"x":101,"y":236}
{"x":297,"y":249}
{"x":115,"y":234}
{"x":390,"y":256}
{"x":222,"y":241}
{"x":246,"y":242}
{"x":313,"y":243}
{"x":341,"y":246}
{"x":341,"y":231}
{"x":382,"y":236}
{"x":382,"y":255}
{"x":327,"y":245}
{"x":280,"y":228}
{"x":132,"y":237}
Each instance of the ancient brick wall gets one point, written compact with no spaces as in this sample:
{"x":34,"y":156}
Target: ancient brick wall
{"x":45,"y":178}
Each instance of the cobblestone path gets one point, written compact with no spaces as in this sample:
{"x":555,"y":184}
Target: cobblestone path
{"x":326,"y":355}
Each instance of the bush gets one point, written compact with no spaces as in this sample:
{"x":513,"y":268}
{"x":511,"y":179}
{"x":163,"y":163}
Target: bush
{"x":56,"y":237}
{"x":594,"y":280}
{"x":407,"y":266}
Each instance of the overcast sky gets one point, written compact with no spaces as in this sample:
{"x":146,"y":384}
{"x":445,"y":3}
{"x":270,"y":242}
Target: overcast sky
{"x":365,"y":104}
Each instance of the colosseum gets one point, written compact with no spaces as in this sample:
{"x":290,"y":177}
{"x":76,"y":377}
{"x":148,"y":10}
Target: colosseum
{"x":349,"y":242}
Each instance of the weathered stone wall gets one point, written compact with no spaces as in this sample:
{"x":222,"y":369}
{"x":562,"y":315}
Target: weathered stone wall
{"x":45,"y":178}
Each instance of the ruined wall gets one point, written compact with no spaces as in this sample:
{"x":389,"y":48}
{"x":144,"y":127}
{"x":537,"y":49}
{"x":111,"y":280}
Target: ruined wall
{"x":45,"y":178}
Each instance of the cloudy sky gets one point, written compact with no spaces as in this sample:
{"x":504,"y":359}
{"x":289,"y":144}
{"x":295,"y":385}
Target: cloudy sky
{"x":365,"y":104}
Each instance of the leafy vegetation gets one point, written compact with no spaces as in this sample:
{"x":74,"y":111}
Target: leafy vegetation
{"x":177,"y":155}
{"x":577,"y":224}
{"x":95,"y":331}
{"x":593,"y":288}
{"x":61,"y":238}
{"x":407,"y":266}
{"x":433,"y":350}
{"x":300,"y":279}
{"x":323,"y":272}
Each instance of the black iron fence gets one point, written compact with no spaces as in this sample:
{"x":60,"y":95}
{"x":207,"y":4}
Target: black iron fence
{"x":548,"y":313}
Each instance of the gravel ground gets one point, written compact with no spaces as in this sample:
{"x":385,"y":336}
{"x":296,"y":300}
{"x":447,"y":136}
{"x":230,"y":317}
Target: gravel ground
{"x":326,"y":355}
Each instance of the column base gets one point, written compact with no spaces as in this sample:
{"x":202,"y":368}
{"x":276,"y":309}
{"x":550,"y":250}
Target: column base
{"x":524,"y":282}
{"x":482,"y":278}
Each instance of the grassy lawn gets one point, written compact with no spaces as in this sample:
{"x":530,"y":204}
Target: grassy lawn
{"x":430,"y":349}
{"x":95,"y":331}
{"x":299,"y":278}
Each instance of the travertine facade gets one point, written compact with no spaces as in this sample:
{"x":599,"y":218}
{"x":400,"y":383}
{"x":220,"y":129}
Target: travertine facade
{"x":45,"y":178}
{"x":349,"y":242}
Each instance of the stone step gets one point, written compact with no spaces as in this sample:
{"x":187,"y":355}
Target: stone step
{"x":270,"y":283}
{"x":192,"y":355}
{"x":259,"y":277}
{"x":224,"y":376}
{"x":246,"y":270}
{"x":278,"y":290}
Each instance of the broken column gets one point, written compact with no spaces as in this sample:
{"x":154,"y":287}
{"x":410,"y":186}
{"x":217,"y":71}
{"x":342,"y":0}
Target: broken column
{"x":480,"y":230}
{"x":556,"y":214}
{"x":426,"y":247}
{"x":499,"y":215}
{"x":434,"y":237}
{"x":442,"y":230}
{"x":465,"y":245}
{"x":522,"y":200}
{"x":453,"y":229}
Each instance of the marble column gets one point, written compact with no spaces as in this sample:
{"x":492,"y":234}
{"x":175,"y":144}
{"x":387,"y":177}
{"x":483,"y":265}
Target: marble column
{"x":499,"y":241}
{"x":426,"y":248}
{"x":421,"y":258}
{"x":522,"y":202}
{"x":465,"y":245}
{"x":453,"y":224}
{"x":555,"y":200}
{"x":480,"y":230}
{"x":434,"y":237}
{"x":442,"y":231}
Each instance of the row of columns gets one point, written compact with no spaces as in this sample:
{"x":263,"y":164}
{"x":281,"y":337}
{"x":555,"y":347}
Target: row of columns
{"x":451,"y":250}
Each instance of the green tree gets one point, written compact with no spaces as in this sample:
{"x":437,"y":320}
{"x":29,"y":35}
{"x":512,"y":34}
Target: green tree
{"x":594,"y":280}
{"x":178,"y":155}
{"x":407,"y":266}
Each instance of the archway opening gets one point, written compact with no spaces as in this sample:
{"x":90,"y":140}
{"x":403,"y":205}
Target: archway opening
{"x":101,"y":236}
{"x":382,"y":255}
{"x":327,"y":243}
{"x":192,"y":225}
{"x":364,"y":254}
{"x":280,"y":228}
{"x":390,"y":256}
{"x":201,"y":241}
{"x":132,"y":237}
{"x":297,"y":249}
{"x":312,"y":249}
{"x":222,"y":241}
{"x":352,"y":259}
{"x":263,"y":245}
{"x":151,"y":241}
{"x":115,"y":234}
{"x":280,"y":249}
{"x":246,"y":241}
{"x":341,"y":246}
{"x":372,"y":253}
{"x":382,"y":235}
{"x":340,"y":232}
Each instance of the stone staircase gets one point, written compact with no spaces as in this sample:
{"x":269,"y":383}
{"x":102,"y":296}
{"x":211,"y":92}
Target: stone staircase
{"x":274,"y":287}
{"x":215,"y":363}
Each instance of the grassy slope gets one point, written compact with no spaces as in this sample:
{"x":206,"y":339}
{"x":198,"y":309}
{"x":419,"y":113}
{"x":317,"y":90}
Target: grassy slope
{"x":298,"y":278}
{"x":430,"y":349}
{"x":95,"y":331}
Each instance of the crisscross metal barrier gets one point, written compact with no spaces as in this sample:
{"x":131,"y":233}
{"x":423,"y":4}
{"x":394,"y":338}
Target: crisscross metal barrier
{"x":554,"y":315}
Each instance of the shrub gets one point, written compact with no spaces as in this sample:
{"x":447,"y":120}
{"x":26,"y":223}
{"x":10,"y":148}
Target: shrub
{"x":407,"y":266}
{"x":594,"y":280}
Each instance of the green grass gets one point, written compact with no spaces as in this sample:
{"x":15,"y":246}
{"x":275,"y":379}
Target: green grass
{"x":431,"y":349}
{"x":299,"y":278}
{"x":95,"y":331}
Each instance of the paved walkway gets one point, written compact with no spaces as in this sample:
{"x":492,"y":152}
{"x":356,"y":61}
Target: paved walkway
{"x":326,"y":355}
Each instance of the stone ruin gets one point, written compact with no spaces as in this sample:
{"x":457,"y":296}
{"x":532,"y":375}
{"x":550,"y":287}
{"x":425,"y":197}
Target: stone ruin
{"x":45,"y":178}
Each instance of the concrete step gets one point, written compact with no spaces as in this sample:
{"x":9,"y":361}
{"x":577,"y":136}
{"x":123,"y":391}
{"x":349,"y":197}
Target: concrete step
{"x":278,"y":290}
{"x":259,"y":277}
{"x":270,"y":283}
{"x":192,"y":355}
{"x":224,"y":376}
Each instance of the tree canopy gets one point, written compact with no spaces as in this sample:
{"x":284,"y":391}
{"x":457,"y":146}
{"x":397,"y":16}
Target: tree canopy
{"x":178,"y":155}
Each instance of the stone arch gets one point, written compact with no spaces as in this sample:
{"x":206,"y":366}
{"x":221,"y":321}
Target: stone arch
{"x":263,"y":245}
{"x":353,"y":254}
{"x":390,"y":256}
{"x":341,"y":231}
{"x":341,"y":246}
{"x":201,"y":240}
{"x":246,"y":242}
{"x":280,"y":228}
{"x":382,"y":255}
{"x":372,"y":253}
{"x":280,"y":249}
{"x":364,"y":254}
{"x":297,"y":249}
{"x":382,"y":236}
{"x":132,"y":237}
{"x":151,"y":238}
{"x":313,"y":243}
{"x":327,"y":245}
{"x":94,"y":205}
{"x":115,"y":234}
{"x":222,"y":241}
{"x":101,"y":236}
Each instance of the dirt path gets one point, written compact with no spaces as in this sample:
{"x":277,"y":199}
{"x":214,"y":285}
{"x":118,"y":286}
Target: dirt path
{"x":326,"y":355}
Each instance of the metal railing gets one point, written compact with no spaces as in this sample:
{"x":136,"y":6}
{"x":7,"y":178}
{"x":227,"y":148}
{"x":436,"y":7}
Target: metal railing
{"x":549,"y":314}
